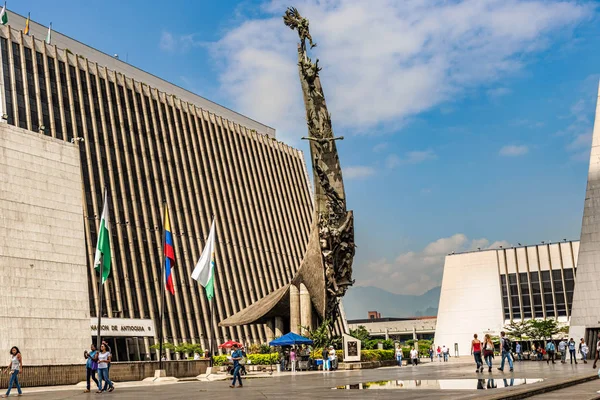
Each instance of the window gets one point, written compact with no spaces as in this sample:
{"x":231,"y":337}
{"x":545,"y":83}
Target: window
{"x":16,"y":48}
{"x":43,"y":91}
{"x":514,"y":296}
{"x":569,"y":285}
{"x":525,"y":299}
{"x":54,"y":95}
{"x":31,"y":91}
{"x":7,"y":82}
{"x":505,"y":296}
{"x":537,"y":296}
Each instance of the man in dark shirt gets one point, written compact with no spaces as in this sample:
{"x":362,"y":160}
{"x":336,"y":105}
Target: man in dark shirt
{"x":236,"y":356}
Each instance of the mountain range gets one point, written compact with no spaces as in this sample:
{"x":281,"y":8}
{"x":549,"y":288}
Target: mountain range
{"x":359,"y":300}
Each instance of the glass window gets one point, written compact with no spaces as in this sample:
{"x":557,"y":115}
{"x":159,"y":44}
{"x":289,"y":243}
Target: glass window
{"x":54,"y":95}
{"x":16,"y":48}
{"x":7,"y":82}
{"x":43,"y":91}
{"x":537,"y":297}
{"x":31,"y":91}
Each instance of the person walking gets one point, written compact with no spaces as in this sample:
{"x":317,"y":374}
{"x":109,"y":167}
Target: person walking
{"x":15,"y":366}
{"x":583,"y":349}
{"x":445,"y":351}
{"x":488,"y":351}
{"x":431,"y":352}
{"x":414,"y":356}
{"x":439,"y":353}
{"x":550,"y":349}
{"x":293,"y":359}
{"x":91,"y":367}
{"x":332,"y":358}
{"x":505,"y":351}
{"x":236,"y":357}
{"x":104,"y":360}
{"x":572,"y":355}
{"x":562,"y":347}
{"x":476,"y":351}
{"x":597,"y":353}
{"x":519,"y":352}
{"x":399,"y":355}
{"x":325,"y":355}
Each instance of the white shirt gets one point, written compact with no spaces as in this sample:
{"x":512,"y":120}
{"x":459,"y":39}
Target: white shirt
{"x":103,"y":356}
{"x":398,"y":352}
{"x":414,"y":354}
{"x":444,"y":349}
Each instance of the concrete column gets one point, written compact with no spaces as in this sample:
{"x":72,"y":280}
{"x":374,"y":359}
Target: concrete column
{"x":414,"y":333}
{"x":294,"y":309}
{"x":269,"y":331}
{"x":305,"y":309}
{"x":278,"y":326}
{"x":387,"y":334}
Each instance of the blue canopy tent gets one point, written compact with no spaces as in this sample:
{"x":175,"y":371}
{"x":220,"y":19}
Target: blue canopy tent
{"x":290,"y":339}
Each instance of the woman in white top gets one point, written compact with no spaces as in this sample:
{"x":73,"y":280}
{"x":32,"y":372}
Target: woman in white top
{"x":15,"y":366}
{"x":332,"y":358}
{"x":104,"y":359}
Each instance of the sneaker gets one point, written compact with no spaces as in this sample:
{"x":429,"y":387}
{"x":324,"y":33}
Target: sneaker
{"x":511,"y":370}
{"x":490,"y":369}
{"x":241,"y":386}
{"x":500,"y":369}
{"x":231,"y":386}
{"x":481,"y":369}
{"x":86,"y":391}
{"x":112,"y":387}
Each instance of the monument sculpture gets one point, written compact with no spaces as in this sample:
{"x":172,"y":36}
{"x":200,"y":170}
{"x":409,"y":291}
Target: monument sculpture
{"x":326,"y":269}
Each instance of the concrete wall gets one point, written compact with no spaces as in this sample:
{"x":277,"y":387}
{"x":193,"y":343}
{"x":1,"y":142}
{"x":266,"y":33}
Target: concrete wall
{"x":470,"y":300}
{"x":586,"y":297}
{"x":44,"y":303}
{"x":405,"y":327}
{"x":54,"y":375}
{"x":17,"y":22}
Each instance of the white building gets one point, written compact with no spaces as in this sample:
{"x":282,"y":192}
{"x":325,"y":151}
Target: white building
{"x":482,"y":291}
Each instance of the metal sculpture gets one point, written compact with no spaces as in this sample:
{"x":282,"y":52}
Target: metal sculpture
{"x":326,"y":269}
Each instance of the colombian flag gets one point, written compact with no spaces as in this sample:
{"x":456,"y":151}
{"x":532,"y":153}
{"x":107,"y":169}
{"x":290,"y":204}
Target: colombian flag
{"x":169,"y":254}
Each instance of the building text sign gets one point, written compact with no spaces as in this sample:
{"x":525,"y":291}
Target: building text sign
{"x":123,"y":327}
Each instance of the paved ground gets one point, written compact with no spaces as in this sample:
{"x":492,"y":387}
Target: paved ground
{"x":584,"y":391}
{"x":312,"y":385}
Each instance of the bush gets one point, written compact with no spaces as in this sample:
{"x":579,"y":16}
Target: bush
{"x":255,"y":359}
{"x":377,"y":355}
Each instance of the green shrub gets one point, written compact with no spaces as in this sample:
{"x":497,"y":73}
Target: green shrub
{"x":255,"y":359}
{"x":377,"y":355}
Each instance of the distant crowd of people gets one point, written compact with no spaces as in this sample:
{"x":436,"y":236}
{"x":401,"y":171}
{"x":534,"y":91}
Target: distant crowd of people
{"x":485,"y":351}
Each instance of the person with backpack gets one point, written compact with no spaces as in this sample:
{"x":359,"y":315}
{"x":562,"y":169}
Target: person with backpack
{"x":550,"y":349}
{"x":597,"y":352}
{"x":505,"y":347}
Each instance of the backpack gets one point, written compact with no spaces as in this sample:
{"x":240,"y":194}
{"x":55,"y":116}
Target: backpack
{"x":506,"y":345}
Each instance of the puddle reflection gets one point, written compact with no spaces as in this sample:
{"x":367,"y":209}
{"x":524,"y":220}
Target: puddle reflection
{"x":442,"y":384}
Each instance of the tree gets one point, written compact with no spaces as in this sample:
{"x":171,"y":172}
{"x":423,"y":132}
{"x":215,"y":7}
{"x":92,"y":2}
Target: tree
{"x":320,"y":335}
{"x":361,"y":333}
{"x":543,"y":329}
{"x":518,"y":330}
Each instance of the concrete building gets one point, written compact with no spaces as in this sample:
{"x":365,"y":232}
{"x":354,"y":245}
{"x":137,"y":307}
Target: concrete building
{"x":585,"y":321}
{"x":397,"y":328}
{"x":149,"y":141}
{"x":44,"y":296}
{"x":482,"y":291}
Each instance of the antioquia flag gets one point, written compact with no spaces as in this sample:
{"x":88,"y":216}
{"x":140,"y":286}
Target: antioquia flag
{"x":103,"y":245}
{"x":204,"y":271}
{"x":3,"y":15}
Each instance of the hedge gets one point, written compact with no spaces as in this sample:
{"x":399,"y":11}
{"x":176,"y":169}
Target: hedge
{"x":256,"y":359}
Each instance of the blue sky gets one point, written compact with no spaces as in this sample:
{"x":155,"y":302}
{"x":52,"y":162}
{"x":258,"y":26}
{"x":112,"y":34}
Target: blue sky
{"x":467,"y":123}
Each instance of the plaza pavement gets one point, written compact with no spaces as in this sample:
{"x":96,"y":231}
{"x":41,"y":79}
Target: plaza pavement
{"x":319,"y":385}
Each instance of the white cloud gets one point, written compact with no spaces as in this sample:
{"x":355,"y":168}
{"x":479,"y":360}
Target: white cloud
{"x":384,"y":61}
{"x":358,"y":172}
{"x":392,"y":161}
{"x":415,"y":272}
{"x":498,"y":92}
{"x":412,"y":157}
{"x":167,"y":42}
{"x":514,"y":151}
{"x":378,"y":148}
{"x":171,"y":43}
{"x":583,"y":140}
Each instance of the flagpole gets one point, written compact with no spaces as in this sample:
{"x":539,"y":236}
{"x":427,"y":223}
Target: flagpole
{"x":162,"y":287}
{"x":100,"y":289}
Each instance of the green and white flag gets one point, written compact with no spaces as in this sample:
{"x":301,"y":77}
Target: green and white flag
{"x":204,"y":271}
{"x":49,"y":35}
{"x":3,"y":15}
{"x":103,"y":245}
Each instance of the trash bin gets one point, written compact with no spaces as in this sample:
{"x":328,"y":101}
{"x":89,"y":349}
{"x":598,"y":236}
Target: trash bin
{"x":278,"y":367}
